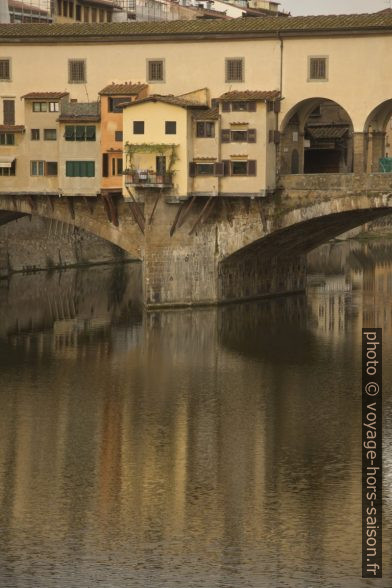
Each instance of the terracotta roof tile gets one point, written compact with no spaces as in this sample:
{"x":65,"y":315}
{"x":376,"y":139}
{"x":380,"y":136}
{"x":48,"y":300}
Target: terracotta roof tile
{"x":125,"y":89}
{"x":249,"y":95}
{"x":210,"y":114}
{"x":45,"y":95}
{"x":266,"y":26}
{"x":169,"y":99}
{"x":327,"y":132}
{"x":12,"y":129}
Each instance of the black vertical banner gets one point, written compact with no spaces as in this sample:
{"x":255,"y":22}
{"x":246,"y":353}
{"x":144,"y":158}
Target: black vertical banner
{"x":372,"y":453}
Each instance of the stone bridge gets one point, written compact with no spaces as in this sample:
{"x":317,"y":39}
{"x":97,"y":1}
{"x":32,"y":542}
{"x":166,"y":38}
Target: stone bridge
{"x":219,"y":249}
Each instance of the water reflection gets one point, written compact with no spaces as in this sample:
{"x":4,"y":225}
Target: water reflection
{"x":209,"y":448}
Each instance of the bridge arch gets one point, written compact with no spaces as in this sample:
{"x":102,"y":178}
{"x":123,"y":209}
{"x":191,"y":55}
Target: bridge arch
{"x":321,"y":131}
{"x":375,"y":129}
{"x":90,"y":217}
{"x":274,"y":262}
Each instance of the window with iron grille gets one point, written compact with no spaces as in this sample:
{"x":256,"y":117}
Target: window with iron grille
{"x":170,"y":127}
{"x":77,"y":71}
{"x":34,"y":134}
{"x":7,"y":139}
{"x":317,"y":68}
{"x":37,"y":168}
{"x":205,"y":129}
{"x":235,"y":70}
{"x":5,"y":70}
{"x":50,"y":134}
{"x":155,"y":70}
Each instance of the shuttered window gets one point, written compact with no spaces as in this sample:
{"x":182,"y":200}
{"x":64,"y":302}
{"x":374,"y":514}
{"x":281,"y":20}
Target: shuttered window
{"x":80,"y":169}
{"x":9,"y":171}
{"x":317,"y":68}
{"x":50,"y":134}
{"x":170,"y":127}
{"x":7,"y":139}
{"x":51,"y":168}
{"x":239,"y":168}
{"x":77,"y":71}
{"x":105,"y":165}
{"x":238,"y":136}
{"x":80,"y":133}
{"x":206,"y":169}
{"x":37,"y":168}
{"x":155,"y":70}
{"x":118,"y":136}
{"x":235,"y":70}
{"x":138,"y":127}
{"x":5,"y":70}
{"x":9,"y":112}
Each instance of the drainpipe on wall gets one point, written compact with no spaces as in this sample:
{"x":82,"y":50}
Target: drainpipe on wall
{"x":278,"y":147}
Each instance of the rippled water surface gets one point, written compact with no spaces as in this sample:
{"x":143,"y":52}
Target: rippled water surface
{"x":206,"y":448}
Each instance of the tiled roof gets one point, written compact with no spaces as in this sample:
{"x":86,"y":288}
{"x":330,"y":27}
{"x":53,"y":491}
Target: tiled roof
{"x":249,"y":95}
{"x":327,"y":132}
{"x":126,"y":89}
{"x":12,"y":129}
{"x":211,"y":114}
{"x":169,"y":99}
{"x":251,"y":27}
{"x":45,"y":95}
{"x":80,"y":112}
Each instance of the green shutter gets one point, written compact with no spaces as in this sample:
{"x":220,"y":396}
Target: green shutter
{"x":90,"y":133}
{"x":90,"y":169}
{"x":69,"y":134}
{"x":80,"y":133}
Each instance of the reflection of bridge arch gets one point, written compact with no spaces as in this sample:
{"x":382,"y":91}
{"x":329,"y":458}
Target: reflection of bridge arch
{"x":90,"y":216}
{"x":321,"y":132}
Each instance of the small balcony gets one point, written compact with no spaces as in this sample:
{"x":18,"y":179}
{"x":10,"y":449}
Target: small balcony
{"x":148,"y":179}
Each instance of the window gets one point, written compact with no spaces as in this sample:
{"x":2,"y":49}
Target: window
{"x":113,"y":104}
{"x":51,"y":168}
{"x":7,"y":139}
{"x":205,"y":129}
{"x":101,"y":15}
{"x":40,"y":107}
{"x":242,"y":168}
{"x":78,"y":15}
{"x":243,"y":106}
{"x":5,"y":70}
{"x":59,"y":7}
{"x":37,"y":168}
{"x":34,"y":134}
{"x":77,"y":71}
{"x":155,"y":70}
{"x":170,"y":127}
{"x":117,"y":166}
{"x":118,"y":136}
{"x":205,"y":169}
{"x":138,"y":127}
{"x":85,"y":14}
{"x":317,"y":68}
{"x":93,"y":15}
{"x":235,"y":70}
{"x":65,"y":8}
{"x":80,"y":133}
{"x":80,"y":169}
{"x":53,"y":106}
{"x":9,"y":112}
{"x":50,"y":134}
{"x":8,"y":171}
{"x":71,"y":7}
{"x":238,"y":136}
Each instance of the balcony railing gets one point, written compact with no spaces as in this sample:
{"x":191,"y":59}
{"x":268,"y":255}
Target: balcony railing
{"x":147,"y":179}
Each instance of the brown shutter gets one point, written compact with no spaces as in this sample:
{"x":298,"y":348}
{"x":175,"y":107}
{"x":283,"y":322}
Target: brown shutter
{"x":226,"y":167}
{"x":251,"y":167}
{"x":226,"y":107}
{"x":276,"y":137}
{"x":251,"y":135}
{"x":105,"y":165}
{"x":225,"y":135}
{"x":251,"y":106}
{"x":192,"y":169}
{"x":9,"y":112}
{"x":219,"y":169}
{"x":277,"y":106}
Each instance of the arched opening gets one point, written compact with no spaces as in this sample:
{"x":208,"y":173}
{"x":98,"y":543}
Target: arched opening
{"x":378,"y":138}
{"x":316,"y":137}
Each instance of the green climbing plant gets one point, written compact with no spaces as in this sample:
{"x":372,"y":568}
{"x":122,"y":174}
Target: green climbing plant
{"x":159,"y":148}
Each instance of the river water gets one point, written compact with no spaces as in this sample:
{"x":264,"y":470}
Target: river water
{"x":206,"y":448}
